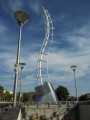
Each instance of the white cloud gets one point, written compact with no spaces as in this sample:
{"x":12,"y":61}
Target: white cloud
{"x":3,"y":28}
{"x":79,"y":37}
{"x":59,"y":60}
{"x":35,"y":5}
{"x":12,"y":5}
{"x":16,"y":4}
{"x":60,"y":18}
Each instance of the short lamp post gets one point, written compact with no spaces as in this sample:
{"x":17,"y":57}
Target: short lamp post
{"x":20,"y":93}
{"x":73,"y":67}
{"x":21,"y":17}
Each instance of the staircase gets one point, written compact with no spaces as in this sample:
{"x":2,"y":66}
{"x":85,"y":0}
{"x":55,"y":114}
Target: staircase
{"x":11,"y":114}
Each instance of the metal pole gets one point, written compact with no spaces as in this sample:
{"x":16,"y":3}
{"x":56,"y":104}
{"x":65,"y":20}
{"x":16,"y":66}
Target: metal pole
{"x":75,"y":85}
{"x":21,"y":66}
{"x":73,"y":67}
{"x":17,"y":66}
{"x":21,"y":17}
{"x":20,"y":86}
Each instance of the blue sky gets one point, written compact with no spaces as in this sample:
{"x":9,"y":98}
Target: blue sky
{"x":71,"y":44}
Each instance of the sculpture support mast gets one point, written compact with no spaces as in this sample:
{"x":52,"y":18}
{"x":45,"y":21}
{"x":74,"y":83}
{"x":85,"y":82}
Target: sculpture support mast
{"x":44,"y":51}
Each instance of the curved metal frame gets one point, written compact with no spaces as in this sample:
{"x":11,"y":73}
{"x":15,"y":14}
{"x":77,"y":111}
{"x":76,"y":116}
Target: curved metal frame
{"x":44,"y":51}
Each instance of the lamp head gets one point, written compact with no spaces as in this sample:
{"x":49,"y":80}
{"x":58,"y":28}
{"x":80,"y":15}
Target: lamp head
{"x":73,"y":67}
{"x":22,"y":65}
{"x":21,"y":17}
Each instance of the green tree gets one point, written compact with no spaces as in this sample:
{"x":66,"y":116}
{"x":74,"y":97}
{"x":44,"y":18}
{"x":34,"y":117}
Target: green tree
{"x":62,"y":93}
{"x":32,"y":96}
{"x":7,"y":96}
{"x":26,"y":97}
{"x":1,"y":89}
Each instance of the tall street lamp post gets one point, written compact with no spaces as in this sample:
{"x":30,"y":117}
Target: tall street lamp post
{"x":21,"y":17}
{"x":73,"y":67}
{"x":22,"y":66}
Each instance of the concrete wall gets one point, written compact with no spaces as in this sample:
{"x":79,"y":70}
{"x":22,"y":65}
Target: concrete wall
{"x":54,"y":111}
{"x":84,"y":112}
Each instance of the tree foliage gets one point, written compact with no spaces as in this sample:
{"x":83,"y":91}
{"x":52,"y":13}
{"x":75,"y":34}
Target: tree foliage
{"x":62,"y":93}
{"x":5,"y":95}
{"x":26,"y":97}
{"x":1,"y":89}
